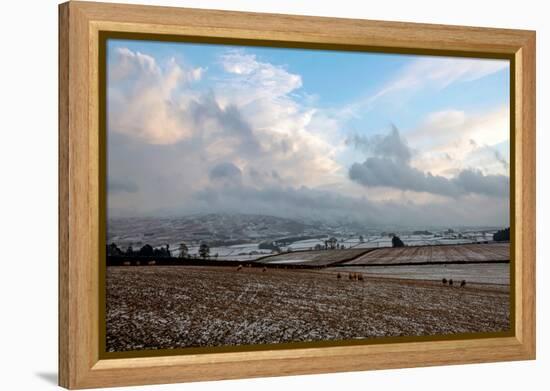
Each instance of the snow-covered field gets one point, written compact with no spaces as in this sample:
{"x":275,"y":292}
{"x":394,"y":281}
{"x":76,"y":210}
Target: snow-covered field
{"x":238,"y":252}
{"x":251,"y":251}
{"x":183,"y":306}
{"x":482,"y":273}
{"x":222,"y":232}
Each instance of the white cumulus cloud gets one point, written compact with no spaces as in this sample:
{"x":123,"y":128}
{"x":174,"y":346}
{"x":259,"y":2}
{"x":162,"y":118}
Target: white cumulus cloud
{"x":143,"y":98}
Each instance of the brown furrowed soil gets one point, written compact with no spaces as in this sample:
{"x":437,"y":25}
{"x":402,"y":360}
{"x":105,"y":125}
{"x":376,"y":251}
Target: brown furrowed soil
{"x":156,"y":307}
{"x":429,"y":254}
{"x":314,"y":258}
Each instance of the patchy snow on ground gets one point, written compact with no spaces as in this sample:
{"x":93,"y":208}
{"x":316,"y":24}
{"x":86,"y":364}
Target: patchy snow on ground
{"x":157,"y":307}
{"x":482,"y":273}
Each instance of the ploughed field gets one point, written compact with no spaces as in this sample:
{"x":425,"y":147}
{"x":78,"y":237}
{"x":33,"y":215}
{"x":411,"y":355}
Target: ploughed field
{"x":162,"y":307}
{"x":458,"y":253}
{"x":494,"y":252}
{"x":313,"y":258}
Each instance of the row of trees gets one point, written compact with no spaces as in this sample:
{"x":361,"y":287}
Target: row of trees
{"x":146,"y":251}
{"x":502,"y":236}
{"x":329,"y":244}
{"x":160,"y":252}
{"x":204,"y":250}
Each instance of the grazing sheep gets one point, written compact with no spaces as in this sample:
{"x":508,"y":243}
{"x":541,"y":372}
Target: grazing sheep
{"x":338,"y":276}
{"x":127,"y":263}
{"x":239,"y":268}
{"x":444,"y":281}
{"x":151,"y":263}
{"x":462,"y":283}
{"x":451,"y":282}
{"x":264,"y":269}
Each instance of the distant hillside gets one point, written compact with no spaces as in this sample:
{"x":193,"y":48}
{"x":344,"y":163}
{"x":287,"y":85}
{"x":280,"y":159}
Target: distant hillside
{"x":212,"y":227}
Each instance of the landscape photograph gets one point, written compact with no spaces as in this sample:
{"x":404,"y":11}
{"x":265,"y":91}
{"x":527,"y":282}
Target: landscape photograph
{"x":266,"y":196}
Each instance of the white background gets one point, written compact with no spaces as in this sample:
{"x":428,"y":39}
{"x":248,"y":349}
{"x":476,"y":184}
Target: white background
{"x":28,"y":157}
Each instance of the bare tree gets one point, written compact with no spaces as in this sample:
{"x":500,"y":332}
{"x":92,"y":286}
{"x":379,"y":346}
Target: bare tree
{"x":183,"y":250}
{"x":204,"y":250}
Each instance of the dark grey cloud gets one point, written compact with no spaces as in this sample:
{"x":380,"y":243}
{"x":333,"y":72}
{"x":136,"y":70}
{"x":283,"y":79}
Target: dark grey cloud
{"x":121,"y":186}
{"x":390,"y":167}
{"x":281,"y":201}
{"x":474,"y":181}
{"x":226,"y":170}
{"x":376,"y":171}
{"x":229,"y":122}
{"x":322,"y":205}
{"x":388,"y":146}
{"x":389,"y":173}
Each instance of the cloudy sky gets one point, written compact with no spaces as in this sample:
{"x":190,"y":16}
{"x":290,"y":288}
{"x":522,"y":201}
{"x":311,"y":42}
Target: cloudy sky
{"x":374,"y":138}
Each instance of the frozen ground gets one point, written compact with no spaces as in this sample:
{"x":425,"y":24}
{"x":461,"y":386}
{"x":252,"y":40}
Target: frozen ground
{"x":182,"y":306}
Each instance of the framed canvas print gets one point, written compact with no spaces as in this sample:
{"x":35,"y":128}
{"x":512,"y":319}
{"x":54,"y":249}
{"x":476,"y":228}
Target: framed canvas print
{"x":247,"y":195}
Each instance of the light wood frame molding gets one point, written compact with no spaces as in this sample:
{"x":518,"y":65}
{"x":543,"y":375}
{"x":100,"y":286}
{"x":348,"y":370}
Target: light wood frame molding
{"x":80,"y":365}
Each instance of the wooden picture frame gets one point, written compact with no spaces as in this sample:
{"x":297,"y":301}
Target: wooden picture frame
{"x":81,"y":162}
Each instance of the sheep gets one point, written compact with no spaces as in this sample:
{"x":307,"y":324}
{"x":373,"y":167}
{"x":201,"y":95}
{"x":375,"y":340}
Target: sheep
{"x":462,"y":283}
{"x":444,"y":281}
{"x":354,"y":276}
{"x":264,"y":269}
{"x":451,"y":282}
{"x":239,"y":268}
{"x":151,"y":263}
{"x":127,"y":263}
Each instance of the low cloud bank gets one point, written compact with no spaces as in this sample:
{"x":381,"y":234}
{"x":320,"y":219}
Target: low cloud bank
{"x":389,"y":165}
